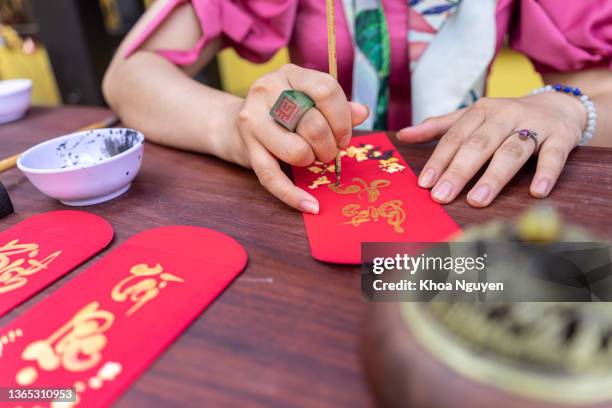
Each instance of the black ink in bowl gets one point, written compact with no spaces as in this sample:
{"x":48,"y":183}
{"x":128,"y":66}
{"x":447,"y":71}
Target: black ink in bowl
{"x":86,"y":167}
{"x":119,"y":141}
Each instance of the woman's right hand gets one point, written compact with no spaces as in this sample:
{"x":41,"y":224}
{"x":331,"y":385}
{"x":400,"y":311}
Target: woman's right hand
{"x":321,"y":131}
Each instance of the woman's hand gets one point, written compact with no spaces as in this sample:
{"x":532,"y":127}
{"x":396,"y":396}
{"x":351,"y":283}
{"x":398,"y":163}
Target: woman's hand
{"x":319,"y":133}
{"x":472,"y":136}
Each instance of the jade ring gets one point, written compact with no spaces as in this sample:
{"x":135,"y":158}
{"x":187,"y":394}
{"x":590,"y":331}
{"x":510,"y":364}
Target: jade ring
{"x":290,"y":107}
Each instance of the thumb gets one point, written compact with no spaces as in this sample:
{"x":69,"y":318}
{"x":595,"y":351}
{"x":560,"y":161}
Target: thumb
{"x":359,"y":113}
{"x":429,"y":129}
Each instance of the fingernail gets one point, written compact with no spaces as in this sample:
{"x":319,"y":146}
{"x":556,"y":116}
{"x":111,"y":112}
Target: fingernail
{"x":360,"y":109}
{"x":309,"y":207}
{"x":480,"y":194}
{"x":426,"y":179}
{"x":367,"y":109}
{"x":443,"y":191}
{"x":541,"y":187}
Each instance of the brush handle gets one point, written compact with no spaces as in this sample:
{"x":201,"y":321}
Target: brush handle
{"x":104,"y":123}
{"x":333,"y":64}
{"x":10,"y":162}
{"x":331,"y":38}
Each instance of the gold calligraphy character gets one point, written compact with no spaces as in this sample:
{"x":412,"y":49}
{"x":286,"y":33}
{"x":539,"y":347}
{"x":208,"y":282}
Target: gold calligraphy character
{"x":391,"y":165}
{"x":322,"y":169}
{"x":361,"y":187}
{"x":76,"y":346}
{"x":142,"y":285}
{"x":391,"y":211}
{"x":14,"y":274}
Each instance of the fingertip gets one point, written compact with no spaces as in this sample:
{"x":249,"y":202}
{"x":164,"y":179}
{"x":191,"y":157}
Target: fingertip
{"x":443,"y":192}
{"x":476,"y":204}
{"x":540,"y":188}
{"x":404,"y":134}
{"x":306,"y":196}
{"x":437,"y":200}
{"x":309,"y":206}
{"x":359,"y":113}
{"x":328,"y":156}
{"x":422,"y":132}
{"x":427,"y":178}
{"x":430,"y":128}
{"x":480,"y":196}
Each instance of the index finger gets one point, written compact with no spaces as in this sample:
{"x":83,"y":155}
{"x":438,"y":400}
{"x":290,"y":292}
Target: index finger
{"x":273,"y":179}
{"x":328,"y":96}
{"x":448,"y":147}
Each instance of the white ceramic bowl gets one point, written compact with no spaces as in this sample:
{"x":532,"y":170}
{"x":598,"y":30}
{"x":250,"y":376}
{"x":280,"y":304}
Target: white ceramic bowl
{"x":87,"y":167}
{"x":15,"y":95}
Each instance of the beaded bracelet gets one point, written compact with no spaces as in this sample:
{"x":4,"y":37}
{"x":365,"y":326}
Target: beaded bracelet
{"x":589,"y":131}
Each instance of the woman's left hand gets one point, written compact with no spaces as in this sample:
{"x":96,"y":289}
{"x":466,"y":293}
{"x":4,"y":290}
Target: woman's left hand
{"x":483,"y":131}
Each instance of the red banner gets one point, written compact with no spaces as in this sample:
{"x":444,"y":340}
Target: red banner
{"x":378,"y":201}
{"x":102,"y":329}
{"x":43,"y":248}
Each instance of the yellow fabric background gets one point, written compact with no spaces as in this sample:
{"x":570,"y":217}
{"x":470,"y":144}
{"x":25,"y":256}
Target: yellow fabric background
{"x":14,"y":63}
{"x":512,"y":73}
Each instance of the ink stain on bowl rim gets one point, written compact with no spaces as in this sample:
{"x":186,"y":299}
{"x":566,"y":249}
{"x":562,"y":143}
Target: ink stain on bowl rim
{"x":83,"y":150}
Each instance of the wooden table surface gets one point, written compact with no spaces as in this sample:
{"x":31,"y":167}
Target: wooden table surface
{"x":285,"y":333}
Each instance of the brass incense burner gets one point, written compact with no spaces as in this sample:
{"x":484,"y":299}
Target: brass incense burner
{"x":507,"y":355}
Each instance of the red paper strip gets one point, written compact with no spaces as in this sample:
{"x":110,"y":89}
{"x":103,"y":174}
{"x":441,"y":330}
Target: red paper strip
{"x":102,"y":329}
{"x":43,"y":248}
{"x":378,"y":201}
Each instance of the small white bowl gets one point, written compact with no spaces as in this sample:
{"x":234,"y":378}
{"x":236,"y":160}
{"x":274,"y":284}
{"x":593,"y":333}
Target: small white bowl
{"x":15,"y":95}
{"x":87,"y":167}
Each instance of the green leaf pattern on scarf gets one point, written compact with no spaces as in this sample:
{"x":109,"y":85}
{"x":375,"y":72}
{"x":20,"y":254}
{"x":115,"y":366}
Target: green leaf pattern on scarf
{"x":372,"y":38}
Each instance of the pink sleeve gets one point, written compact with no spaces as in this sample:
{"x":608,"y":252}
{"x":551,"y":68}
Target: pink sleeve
{"x":256,"y":29}
{"x":566,"y":35}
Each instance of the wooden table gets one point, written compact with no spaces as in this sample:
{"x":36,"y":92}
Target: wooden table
{"x":285,"y":333}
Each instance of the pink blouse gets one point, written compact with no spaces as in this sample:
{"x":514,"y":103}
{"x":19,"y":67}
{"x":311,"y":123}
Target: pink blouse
{"x":557,"y":36}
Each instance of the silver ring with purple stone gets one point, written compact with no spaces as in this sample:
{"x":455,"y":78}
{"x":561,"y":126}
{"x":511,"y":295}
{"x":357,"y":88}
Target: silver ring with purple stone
{"x":525,"y":134}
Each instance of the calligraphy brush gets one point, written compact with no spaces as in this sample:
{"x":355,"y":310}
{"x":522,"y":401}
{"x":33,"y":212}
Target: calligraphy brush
{"x":10,"y":162}
{"x":333,"y":65}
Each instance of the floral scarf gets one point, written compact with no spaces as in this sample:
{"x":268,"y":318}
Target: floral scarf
{"x":450,"y":42}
